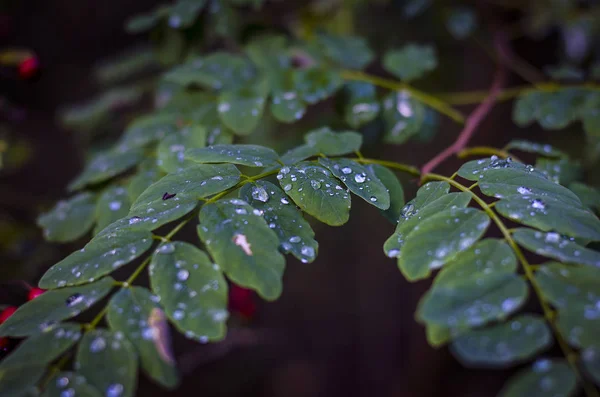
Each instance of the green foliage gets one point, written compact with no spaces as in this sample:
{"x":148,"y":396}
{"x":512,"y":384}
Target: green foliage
{"x":194,"y":159}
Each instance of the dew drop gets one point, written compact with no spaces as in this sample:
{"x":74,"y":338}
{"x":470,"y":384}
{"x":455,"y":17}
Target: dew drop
{"x":166,"y":249}
{"x":183,"y":275}
{"x":538,"y":204}
{"x":260,"y":194}
{"x":360,"y":178}
{"x":97,"y":344}
{"x":134,"y":219}
{"x":114,"y":390}
{"x":315,"y":184}
{"x":346,"y":170}
{"x":74,"y":300}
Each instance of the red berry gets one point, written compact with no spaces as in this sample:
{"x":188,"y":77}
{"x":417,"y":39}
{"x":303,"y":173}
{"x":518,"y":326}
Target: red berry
{"x":6,"y":313}
{"x":29,"y":67}
{"x":34,"y":293}
{"x":241,"y":301}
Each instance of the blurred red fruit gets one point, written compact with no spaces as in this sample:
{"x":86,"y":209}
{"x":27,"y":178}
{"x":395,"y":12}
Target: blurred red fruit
{"x":6,"y":313}
{"x":29,"y":67}
{"x":34,"y":293}
{"x":241,"y":301}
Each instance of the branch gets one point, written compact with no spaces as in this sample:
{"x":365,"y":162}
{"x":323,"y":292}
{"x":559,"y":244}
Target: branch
{"x":471,"y":124}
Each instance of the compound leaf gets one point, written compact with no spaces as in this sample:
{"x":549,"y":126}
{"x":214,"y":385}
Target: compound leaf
{"x":248,"y":155}
{"x":69,"y":219}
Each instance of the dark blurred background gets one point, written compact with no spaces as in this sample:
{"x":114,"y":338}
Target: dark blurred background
{"x":344,"y":325}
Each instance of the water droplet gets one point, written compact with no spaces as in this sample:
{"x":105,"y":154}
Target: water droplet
{"x":538,"y":204}
{"x":315,"y":184}
{"x":114,"y":205}
{"x":260,"y":194}
{"x":166,"y":249}
{"x":134,"y":219}
{"x":552,"y":238}
{"x":183,"y":275}
{"x":68,"y":393}
{"x":307,"y":251}
{"x":295,"y":239}
{"x":523,"y":190}
{"x":178,"y":314}
{"x":284,"y":201}
{"x":373,"y":199}
{"x":346,"y":170}
{"x":287,"y":187}
{"x":62,"y":382}
{"x":114,"y":390}
{"x":360,"y":178}
{"x":74,"y":300}
{"x":97,"y":344}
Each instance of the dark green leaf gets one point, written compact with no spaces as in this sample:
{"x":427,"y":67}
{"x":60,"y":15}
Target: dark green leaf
{"x":544,"y":378}
{"x":590,"y":358}
{"x":184,"y":13}
{"x":269,"y":52}
{"x":526,"y":108}
{"x":332,"y":143}
{"x":141,"y":181}
{"x":553,"y":245}
{"x":580,"y":326}
{"x":106,"y":165}
{"x":561,"y":171}
{"x":112,"y":205}
{"x":215,"y":71}
{"x":287,"y":104}
{"x":411,"y":61}
{"x":438,"y":239}
{"x":359,"y":181}
{"x":171,"y":150}
{"x":590,"y":113}
{"x":20,"y":381}
{"x":410,"y":217}
{"x":533,"y":147}
{"x":43,"y":347}
{"x":248,"y":155}
{"x":588,"y":195}
{"x":66,"y":384}
{"x":317,"y":84}
{"x":51,"y":307}
{"x":403,"y":116}
{"x":298,"y":154}
{"x":316,"y":192}
{"x":549,"y":214}
{"x":569,"y":286}
{"x":295,"y":234}
{"x":394,"y":188}
{"x":69,"y":219}
{"x":148,"y":129}
{"x":109,"y":363}
{"x":351,"y":52}
{"x":151,"y":211}
{"x":505,"y":182}
{"x":241,"y":109}
{"x":133,"y":312}
{"x":476,"y":169}
{"x":242,"y":243}
{"x":102,"y":255}
{"x":361,"y":104}
{"x":192,"y":290}
{"x":504,"y":344}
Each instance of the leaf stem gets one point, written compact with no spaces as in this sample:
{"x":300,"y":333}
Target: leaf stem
{"x":485,"y":151}
{"x":528,"y":270}
{"x":394,"y":85}
{"x":391,"y":164}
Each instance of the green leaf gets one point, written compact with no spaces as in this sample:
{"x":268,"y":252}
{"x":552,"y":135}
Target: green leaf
{"x":216,"y":71}
{"x":189,"y":185}
{"x":411,"y":61}
{"x":504,"y":344}
{"x":241,"y":109}
{"x":107,"y":165}
{"x":590,"y":358}
{"x":332,"y":143}
{"x":184,"y":13}
{"x":580,"y":325}
{"x":171,"y":150}
{"x":192,"y":290}
{"x":108,"y":361}
{"x":438,"y":239}
{"x":294,"y":232}
{"x":299,"y":154}
{"x":533,"y":147}
{"x":317,"y":84}
{"x":351,"y":52}
{"x":112,"y":205}
{"x":287,"y":104}
{"x":553,"y":245}
{"x":248,"y":155}
{"x":461,"y":22}
{"x":526,"y":108}
{"x":269,"y":52}
{"x":403,"y":116}
{"x":505,"y":182}
{"x":549,"y":214}
{"x":359,"y":181}
{"x":590,"y":115}
{"x":589,"y":196}
{"x":143,"y":22}
{"x":556,"y":110}
{"x":70,"y":383}
{"x":544,"y":378}
{"x":561,"y":171}
{"x":242,"y":243}
{"x":410,"y":217}
{"x":568,"y":287}
{"x":316,"y":192}
{"x":69,"y":219}
{"x":133,"y":312}
{"x":20,"y":381}
{"x":485,"y":257}
{"x":141,"y":181}
{"x":51,"y":307}
{"x":476,"y":169}
{"x":361,"y":105}
{"x":148,"y":129}
{"x":393,"y":187}
{"x":436,"y":335}
{"x":464,"y":304}
{"x":43,"y":347}
{"x":102,"y":255}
